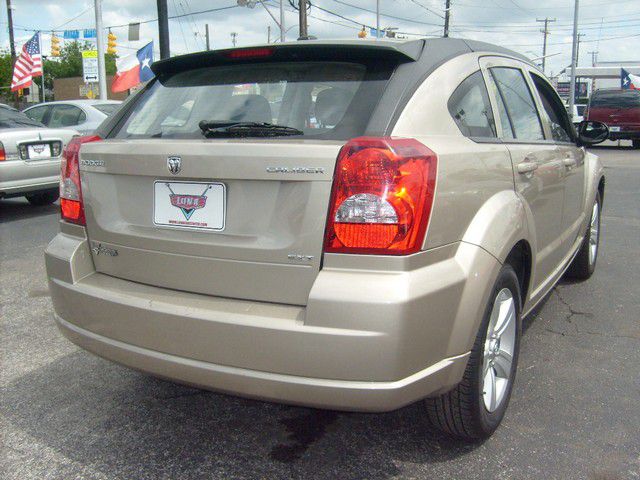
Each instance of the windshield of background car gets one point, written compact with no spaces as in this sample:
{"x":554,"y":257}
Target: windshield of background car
{"x":106,"y":108}
{"x":616,"y":99}
{"x":331,"y":100}
{"x":14,"y":119}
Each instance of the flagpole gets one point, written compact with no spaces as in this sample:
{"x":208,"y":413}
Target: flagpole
{"x":44,"y":98}
{"x":102,"y":76}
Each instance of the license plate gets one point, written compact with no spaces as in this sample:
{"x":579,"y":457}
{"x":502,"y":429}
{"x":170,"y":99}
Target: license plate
{"x":189,"y":205}
{"x":39,"y":150}
{"x":614,"y":129}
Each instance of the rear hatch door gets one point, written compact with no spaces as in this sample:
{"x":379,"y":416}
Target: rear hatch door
{"x":258,"y":235}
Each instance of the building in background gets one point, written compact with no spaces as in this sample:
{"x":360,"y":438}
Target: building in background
{"x":73,"y":88}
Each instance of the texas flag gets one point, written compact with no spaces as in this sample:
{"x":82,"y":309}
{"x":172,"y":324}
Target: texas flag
{"x":629,"y":81}
{"x":133,"y":69}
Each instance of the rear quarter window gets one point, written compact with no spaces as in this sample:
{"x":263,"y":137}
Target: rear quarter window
{"x":332,"y":100}
{"x":470,"y":108}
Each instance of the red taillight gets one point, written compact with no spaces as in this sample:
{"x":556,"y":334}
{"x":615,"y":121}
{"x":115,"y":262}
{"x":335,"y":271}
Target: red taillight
{"x":3,"y":155}
{"x":381,"y":198}
{"x":71,"y":207}
{"x":249,"y":53}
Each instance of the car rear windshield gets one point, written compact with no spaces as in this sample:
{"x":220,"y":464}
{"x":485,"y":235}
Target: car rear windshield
{"x":106,"y":108}
{"x":15,"y":119}
{"x":331,"y":100}
{"x":617,"y":99}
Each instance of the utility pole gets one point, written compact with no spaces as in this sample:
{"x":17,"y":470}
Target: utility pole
{"x":268,"y":33}
{"x":447,"y":14}
{"x":545,"y":31}
{"x":594,"y":60}
{"x":163,"y":29}
{"x":283,"y":31}
{"x":377,"y":19}
{"x":574,"y":50}
{"x":12,"y":44}
{"x":302,"y":11}
{"x":580,"y":35}
{"x":102,"y":72}
{"x":234,"y":35}
{"x":206,"y":36}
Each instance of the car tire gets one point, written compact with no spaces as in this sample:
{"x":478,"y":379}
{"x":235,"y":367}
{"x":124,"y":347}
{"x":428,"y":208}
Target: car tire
{"x":636,"y":144}
{"x":584,"y":264}
{"x":466,"y":412}
{"x":44,"y":198}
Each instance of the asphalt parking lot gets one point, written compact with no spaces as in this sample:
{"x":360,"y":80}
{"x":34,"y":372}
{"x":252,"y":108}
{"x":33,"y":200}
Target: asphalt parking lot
{"x":575,"y":412}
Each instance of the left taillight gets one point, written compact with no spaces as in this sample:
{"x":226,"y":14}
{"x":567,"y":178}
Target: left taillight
{"x":381,"y":198}
{"x":71,"y":207}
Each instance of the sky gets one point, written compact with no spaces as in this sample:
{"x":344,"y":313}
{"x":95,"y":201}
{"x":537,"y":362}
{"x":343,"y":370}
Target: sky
{"x":610,"y":27}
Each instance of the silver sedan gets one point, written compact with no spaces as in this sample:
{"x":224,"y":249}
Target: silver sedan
{"x":30,"y":157}
{"x":81,"y":115}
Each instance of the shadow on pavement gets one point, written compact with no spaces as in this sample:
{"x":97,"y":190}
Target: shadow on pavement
{"x":124,"y":424}
{"x":19,"y":209}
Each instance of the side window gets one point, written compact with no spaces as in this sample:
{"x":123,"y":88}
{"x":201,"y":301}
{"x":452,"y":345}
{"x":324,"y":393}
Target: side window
{"x":470,"y":108}
{"x":558,"y":118}
{"x":519,"y":104}
{"x":37,"y":113}
{"x":66,"y":116}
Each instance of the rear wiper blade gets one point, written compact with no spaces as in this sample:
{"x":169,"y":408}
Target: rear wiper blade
{"x":246,"y":129}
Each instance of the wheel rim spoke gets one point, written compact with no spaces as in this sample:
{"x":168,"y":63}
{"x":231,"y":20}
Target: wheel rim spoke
{"x":502,"y":364}
{"x":594,"y":232}
{"x":490,"y":390}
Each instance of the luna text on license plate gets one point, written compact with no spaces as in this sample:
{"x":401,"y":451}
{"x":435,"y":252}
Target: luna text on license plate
{"x":190,"y":205}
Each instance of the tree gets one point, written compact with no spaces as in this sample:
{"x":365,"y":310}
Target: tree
{"x":6,"y":73}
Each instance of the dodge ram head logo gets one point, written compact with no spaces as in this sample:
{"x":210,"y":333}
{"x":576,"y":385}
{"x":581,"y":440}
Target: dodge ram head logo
{"x":174,"y":164}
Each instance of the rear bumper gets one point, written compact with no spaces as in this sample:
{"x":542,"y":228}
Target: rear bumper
{"x":625,"y":135}
{"x":366,"y":341}
{"x":18,"y":177}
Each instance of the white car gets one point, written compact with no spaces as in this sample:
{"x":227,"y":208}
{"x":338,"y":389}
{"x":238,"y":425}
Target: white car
{"x":578,"y":113}
{"x":82,"y":115}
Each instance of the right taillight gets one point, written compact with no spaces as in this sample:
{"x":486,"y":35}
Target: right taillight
{"x":381,"y":198}
{"x":3,"y":155}
{"x":71,"y":207}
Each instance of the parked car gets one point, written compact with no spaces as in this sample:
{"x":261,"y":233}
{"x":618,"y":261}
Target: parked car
{"x":7,"y":107}
{"x":382,"y":254}
{"x":30,"y":157}
{"x":620,"y":110}
{"x":83,"y":115}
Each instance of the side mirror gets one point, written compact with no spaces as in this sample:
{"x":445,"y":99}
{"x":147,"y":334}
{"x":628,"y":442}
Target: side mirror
{"x":592,"y":133}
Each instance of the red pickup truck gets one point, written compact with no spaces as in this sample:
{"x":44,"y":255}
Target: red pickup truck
{"x":620,"y":110}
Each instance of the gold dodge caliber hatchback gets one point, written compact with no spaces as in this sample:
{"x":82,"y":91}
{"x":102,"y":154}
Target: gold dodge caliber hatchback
{"x":349,"y":225}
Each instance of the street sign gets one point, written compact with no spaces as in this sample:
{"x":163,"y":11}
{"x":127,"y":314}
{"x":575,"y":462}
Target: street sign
{"x":90,"y":66}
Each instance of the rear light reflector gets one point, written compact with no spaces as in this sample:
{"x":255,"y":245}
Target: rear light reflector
{"x":249,"y":53}
{"x":71,"y":206}
{"x":381,"y":198}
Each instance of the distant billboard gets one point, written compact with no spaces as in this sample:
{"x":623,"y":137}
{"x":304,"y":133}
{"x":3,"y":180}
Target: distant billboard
{"x":565,"y":87}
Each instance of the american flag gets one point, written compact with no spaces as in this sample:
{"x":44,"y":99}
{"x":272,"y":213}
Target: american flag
{"x":28,"y":64}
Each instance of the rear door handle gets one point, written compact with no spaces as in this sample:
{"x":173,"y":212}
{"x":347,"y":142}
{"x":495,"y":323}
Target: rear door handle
{"x":527,"y":167}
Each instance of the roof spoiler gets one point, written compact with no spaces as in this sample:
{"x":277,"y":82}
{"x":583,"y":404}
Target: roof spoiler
{"x":347,"y":51}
